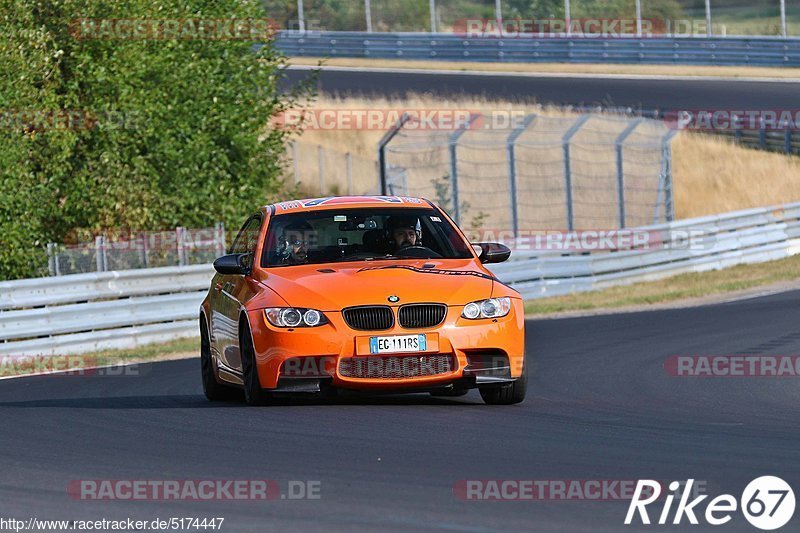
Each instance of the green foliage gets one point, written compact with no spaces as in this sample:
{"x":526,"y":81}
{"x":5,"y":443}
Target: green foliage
{"x":170,"y":131}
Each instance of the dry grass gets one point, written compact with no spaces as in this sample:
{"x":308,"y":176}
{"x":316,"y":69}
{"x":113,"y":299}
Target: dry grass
{"x":711,"y":175}
{"x":561,"y":68}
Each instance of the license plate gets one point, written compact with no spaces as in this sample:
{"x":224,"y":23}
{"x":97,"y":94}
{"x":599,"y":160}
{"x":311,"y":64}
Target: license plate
{"x":398,"y":344}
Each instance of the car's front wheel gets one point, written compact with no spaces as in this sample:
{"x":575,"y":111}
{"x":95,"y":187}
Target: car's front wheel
{"x":507,"y":394}
{"x":253,"y":393}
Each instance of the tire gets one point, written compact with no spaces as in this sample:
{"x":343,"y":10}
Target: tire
{"x":253,"y":393}
{"x":507,"y":394}
{"x":214,"y":391}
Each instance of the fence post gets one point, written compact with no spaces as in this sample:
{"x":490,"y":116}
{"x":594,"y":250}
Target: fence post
{"x":787,"y":141}
{"x":784,"y":33}
{"x":432,"y":7}
{"x":568,"y":167}
{"x":219,"y":238}
{"x":638,"y":18}
{"x":143,"y":249}
{"x":453,"y":145}
{"x":348,"y":157}
{"x":321,"y":164}
{"x":98,"y":253}
{"x":512,"y":170}
{"x":368,"y":15}
{"x":301,"y":22}
{"x":385,"y":140}
{"x":52,"y":258}
{"x":708,"y":18}
{"x":665,"y":181}
{"x":620,"y":168}
{"x":181,"y":250}
{"x":295,"y":164}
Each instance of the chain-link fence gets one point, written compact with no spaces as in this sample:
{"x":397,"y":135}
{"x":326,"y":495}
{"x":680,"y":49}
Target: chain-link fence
{"x":698,"y":18}
{"x":130,"y":250}
{"x":317,"y":169}
{"x":538,"y":172}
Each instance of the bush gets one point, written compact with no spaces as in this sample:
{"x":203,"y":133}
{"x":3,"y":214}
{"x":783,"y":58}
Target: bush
{"x":147,"y":134}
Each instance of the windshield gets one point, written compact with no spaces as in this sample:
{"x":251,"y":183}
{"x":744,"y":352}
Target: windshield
{"x":361,"y":235}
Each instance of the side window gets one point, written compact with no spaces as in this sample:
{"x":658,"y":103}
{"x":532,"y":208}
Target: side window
{"x":245,"y":242}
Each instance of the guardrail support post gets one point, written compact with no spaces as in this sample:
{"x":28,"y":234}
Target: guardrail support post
{"x":512,"y":171}
{"x":787,"y":141}
{"x":385,"y":140}
{"x":620,"y":168}
{"x":568,"y":167}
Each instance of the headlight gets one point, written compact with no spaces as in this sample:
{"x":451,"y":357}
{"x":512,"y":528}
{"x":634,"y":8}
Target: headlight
{"x":491,"y":308}
{"x":294,"y":317}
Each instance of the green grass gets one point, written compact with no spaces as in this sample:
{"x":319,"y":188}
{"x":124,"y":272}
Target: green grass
{"x":673,"y":289}
{"x":150,"y":352}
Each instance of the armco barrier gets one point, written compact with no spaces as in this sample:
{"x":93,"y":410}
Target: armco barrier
{"x":761,"y":51}
{"x":750,"y":236}
{"x":96,"y":311}
{"x":88,"y":312}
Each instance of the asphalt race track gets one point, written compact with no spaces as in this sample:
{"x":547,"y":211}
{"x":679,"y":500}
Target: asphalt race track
{"x":610,"y":92}
{"x":600,"y":406}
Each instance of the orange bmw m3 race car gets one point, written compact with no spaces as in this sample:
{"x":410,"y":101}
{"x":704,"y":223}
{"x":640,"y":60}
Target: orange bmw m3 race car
{"x":376,"y":294}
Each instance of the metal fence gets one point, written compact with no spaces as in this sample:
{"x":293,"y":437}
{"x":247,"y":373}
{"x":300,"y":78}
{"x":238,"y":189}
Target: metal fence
{"x":773,"y":52}
{"x":88,"y":312}
{"x":708,"y":18}
{"x":593,"y":171}
{"x":145,"y":249}
{"x":323,"y":170}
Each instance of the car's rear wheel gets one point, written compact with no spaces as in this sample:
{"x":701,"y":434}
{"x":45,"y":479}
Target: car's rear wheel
{"x":253,"y":393}
{"x":213,"y":390}
{"x":507,"y":394}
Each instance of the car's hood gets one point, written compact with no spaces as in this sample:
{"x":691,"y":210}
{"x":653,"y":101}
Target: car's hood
{"x":332,"y":287}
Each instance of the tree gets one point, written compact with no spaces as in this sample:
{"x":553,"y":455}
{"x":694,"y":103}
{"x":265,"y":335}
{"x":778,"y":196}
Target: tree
{"x":102,"y":131}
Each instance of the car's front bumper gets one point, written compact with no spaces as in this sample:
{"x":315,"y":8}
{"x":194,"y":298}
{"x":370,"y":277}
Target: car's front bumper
{"x":481,"y":352}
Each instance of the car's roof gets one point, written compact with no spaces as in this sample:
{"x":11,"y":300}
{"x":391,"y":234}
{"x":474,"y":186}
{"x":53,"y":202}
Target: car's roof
{"x":349,"y":202}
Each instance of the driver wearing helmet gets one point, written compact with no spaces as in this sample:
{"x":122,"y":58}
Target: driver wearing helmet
{"x":293,"y":244}
{"x":403,"y":232}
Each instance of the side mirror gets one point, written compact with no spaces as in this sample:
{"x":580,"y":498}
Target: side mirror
{"x":493,"y":252}
{"x":232,"y":264}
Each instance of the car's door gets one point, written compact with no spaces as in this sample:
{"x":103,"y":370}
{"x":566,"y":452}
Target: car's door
{"x":231,"y":292}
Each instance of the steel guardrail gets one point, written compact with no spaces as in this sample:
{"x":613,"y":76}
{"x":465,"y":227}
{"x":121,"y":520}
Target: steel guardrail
{"x":89,"y":312}
{"x":732,"y":51}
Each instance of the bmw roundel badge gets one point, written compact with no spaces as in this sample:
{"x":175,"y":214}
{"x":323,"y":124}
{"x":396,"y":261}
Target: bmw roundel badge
{"x":393,"y":298}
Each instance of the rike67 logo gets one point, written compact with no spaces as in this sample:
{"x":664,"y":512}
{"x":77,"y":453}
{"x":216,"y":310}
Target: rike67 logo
{"x":767,"y":503}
